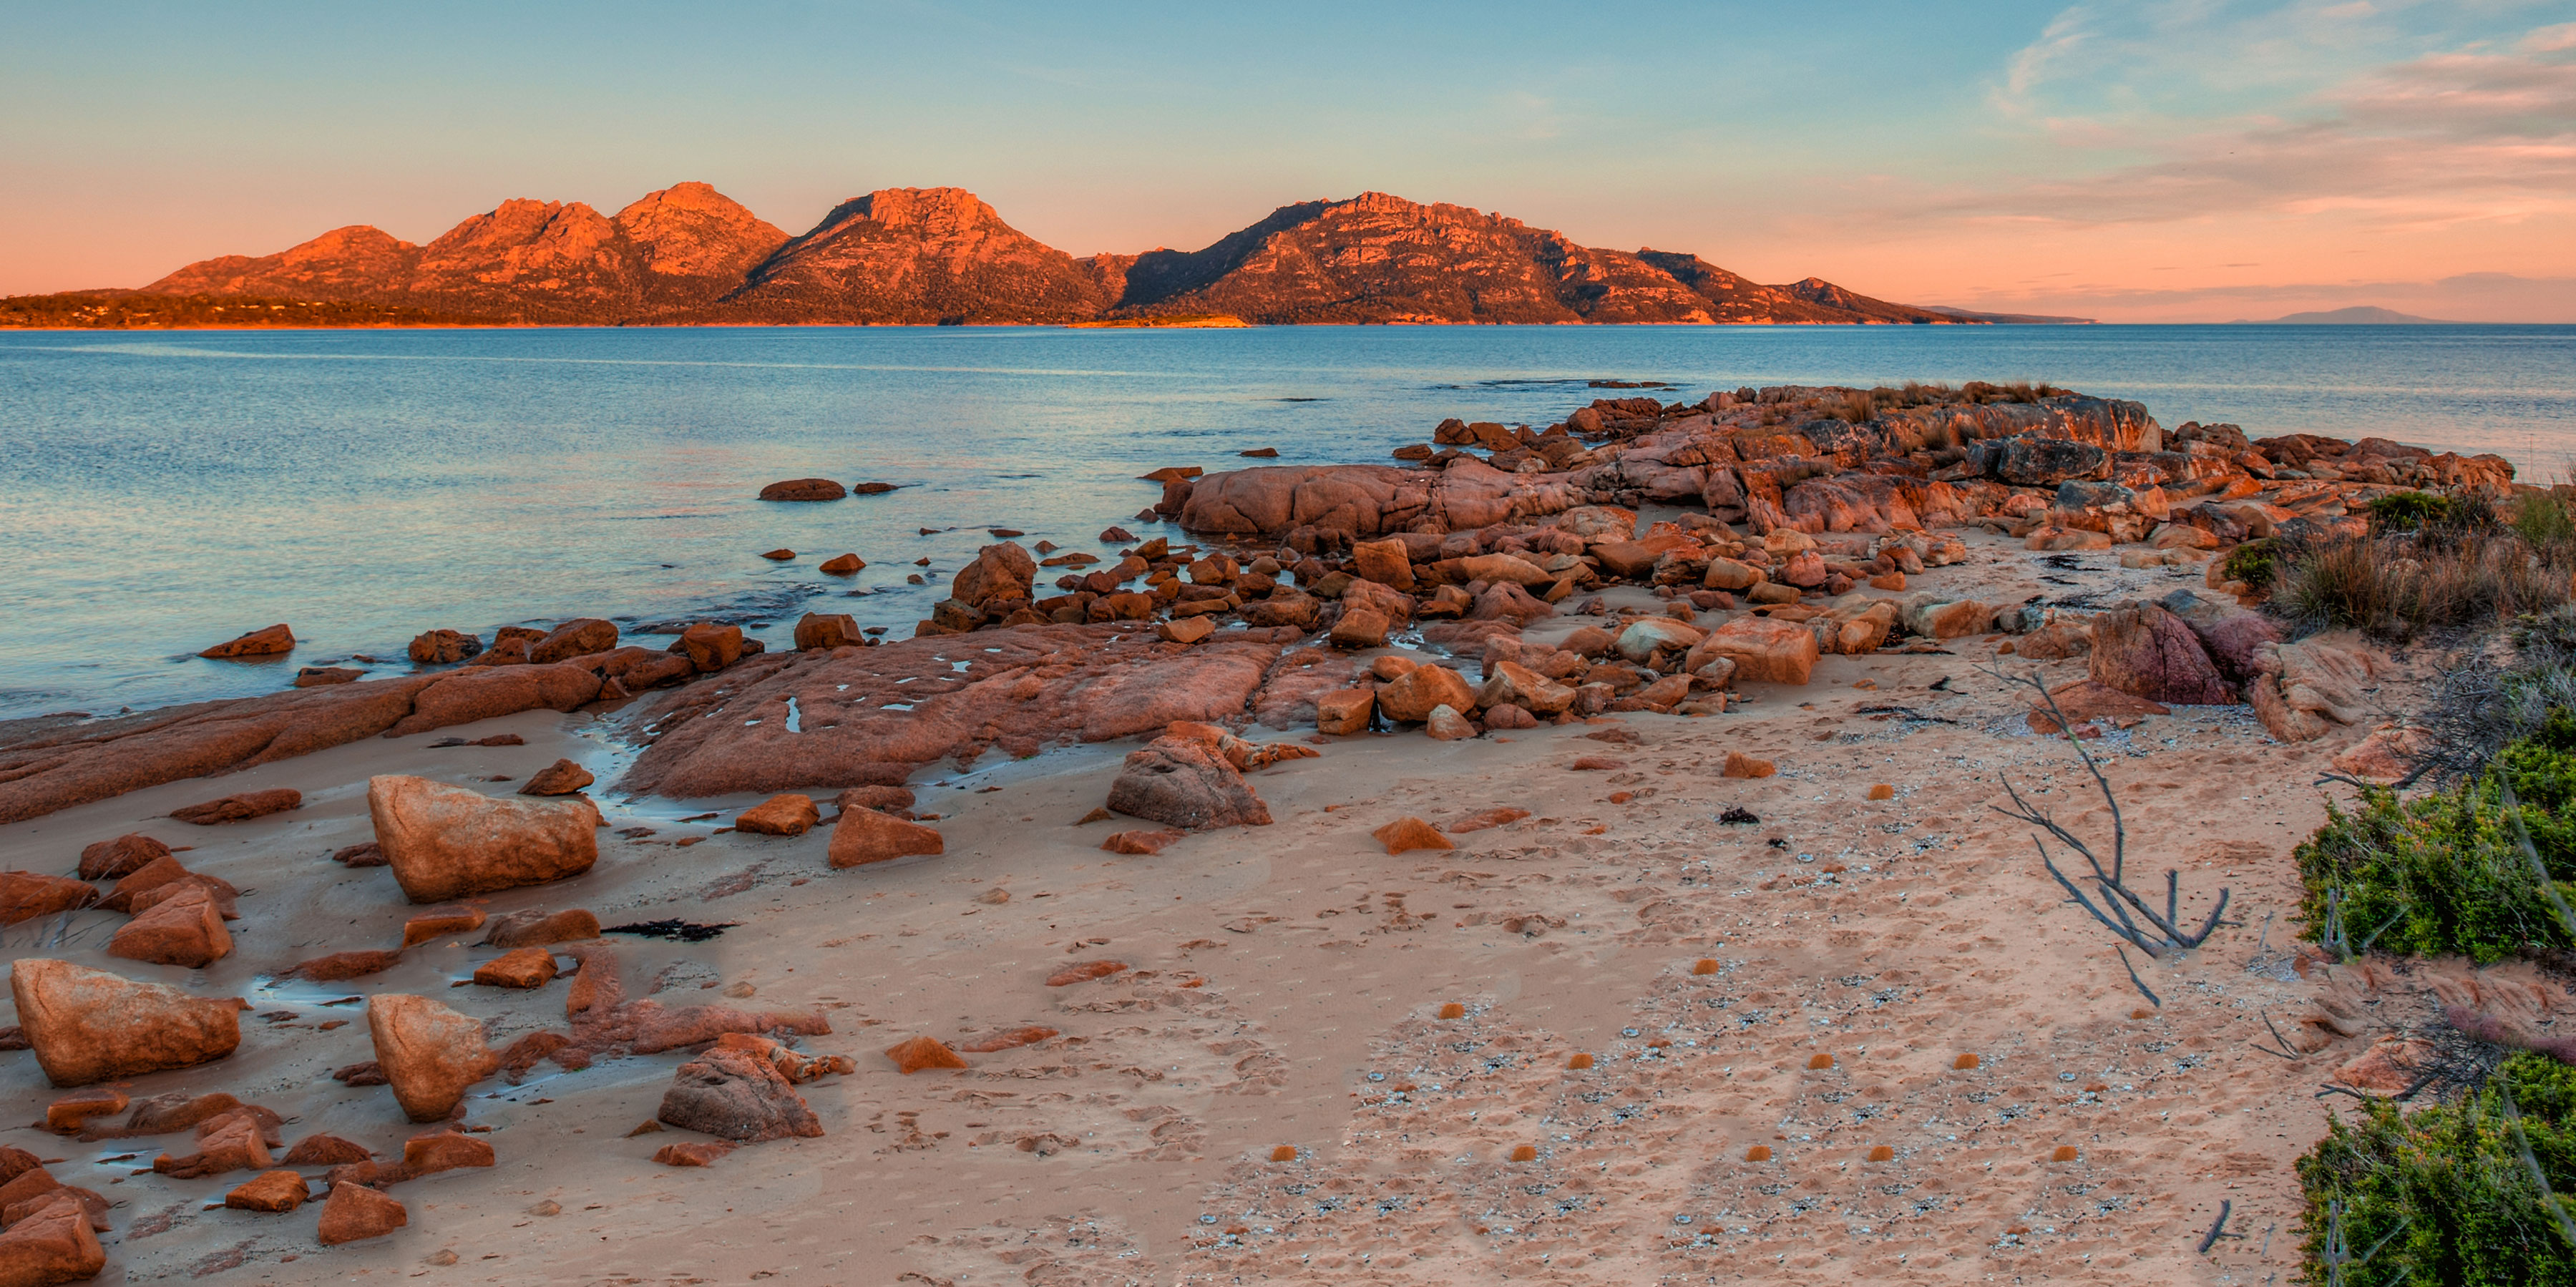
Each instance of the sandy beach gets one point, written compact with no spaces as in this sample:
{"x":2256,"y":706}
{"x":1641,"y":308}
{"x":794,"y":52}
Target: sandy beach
{"x":1269,"y":1091}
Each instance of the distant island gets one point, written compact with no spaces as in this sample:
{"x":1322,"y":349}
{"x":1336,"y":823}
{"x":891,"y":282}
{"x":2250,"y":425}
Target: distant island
{"x":2357,"y":315}
{"x":689,"y":255}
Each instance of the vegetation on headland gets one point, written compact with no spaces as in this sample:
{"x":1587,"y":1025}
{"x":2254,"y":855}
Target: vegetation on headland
{"x":122,"y":312}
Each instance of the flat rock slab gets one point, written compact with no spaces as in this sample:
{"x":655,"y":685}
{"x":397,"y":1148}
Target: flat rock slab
{"x":877,"y":715}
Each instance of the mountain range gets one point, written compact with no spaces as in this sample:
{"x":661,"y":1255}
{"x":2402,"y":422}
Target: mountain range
{"x":913,"y":256}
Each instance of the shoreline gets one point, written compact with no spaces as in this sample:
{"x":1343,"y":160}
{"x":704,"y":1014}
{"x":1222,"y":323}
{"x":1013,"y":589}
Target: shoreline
{"x":1282,"y":988}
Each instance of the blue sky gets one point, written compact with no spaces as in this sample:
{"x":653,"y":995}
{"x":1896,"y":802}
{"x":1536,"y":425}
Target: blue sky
{"x":2150,"y":161}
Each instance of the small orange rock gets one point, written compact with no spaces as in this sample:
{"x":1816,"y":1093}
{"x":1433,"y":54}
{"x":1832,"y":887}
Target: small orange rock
{"x":354,"y":1211}
{"x":1740,"y":765}
{"x":1597,"y":764}
{"x":271,"y":1191}
{"x":1284,"y":1153}
{"x":843,"y":565}
{"x":1758,"y":1153}
{"x":1882,"y":792}
{"x":1622,"y":797}
{"x":1579,"y":1062}
{"x":1820,"y":1060}
{"x":1011,"y":1040}
{"x":2065,"y":1153}
{"x":1411,"y":833}
{"x":923,"y":1052}
{"x":779,"y":555}
{"x":64,"y":1116}
{"x":1882,"y":1153}
{"x":1141,"y":842}
{"x":527,"y":967}
{"x":1084,"y":972}
{"x":324,"y":1150}
{"x":438,"y":922}
{"x":1525,"y":1153}
{"x":780,"y":815}
{"x":1453,"y":1010}
{"x":1964,"y":1062}
{"x":1704,"y":965}
{"x":2142,"y":1012}
{"x":693,"y":1153}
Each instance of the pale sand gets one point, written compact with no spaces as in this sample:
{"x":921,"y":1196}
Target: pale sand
{"x":1286,"y":981}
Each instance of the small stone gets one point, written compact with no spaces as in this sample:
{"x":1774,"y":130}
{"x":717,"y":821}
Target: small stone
{"x":444,"y":1150}
{"x":1882,"y":791}
{"x":804,"y":489}
{"x":53,"y":1241}
{"x":1597,"y":764}
{"x":693,"y":1152}
{"x":1740,"y":765}
{"x":324,"y":1150}
{"x":343,"y":965}
{"x":1445,"y":724}
{"x":1359,"y":628}
{"x":325,"y":676}
{"x":271,"y":642}
{"x":1483,"y":819}
{"x":841,"y":565}
{"x":537,"y":928}
{"x":26,"y":895}
{"x":274,"y":1192}
{"x":65,"y":1116}
{"x":1186,"y":630}
{"x":780,"y":555}
{"x":787,"y":814}
{"x":184,"y":929}
{"x":369,"y":854}
{"x":354,"y":1212}
{"x":430,"y":1054}
{"x":238,"y":808}
{"x":1346,"y":711}
{"x":526,"y":967}
{"x":923,"y":1052}
{"x":1084,"y":972}
{"x":439,"y":922}
{"x":1411,"y":833}
{"x":865,"y":836}
{"x":563,"y":777}
{"x":884,"y":799}
{"x":110,"y":859}
{"x":1010,"y":1040}
{"x":1140,"y":842}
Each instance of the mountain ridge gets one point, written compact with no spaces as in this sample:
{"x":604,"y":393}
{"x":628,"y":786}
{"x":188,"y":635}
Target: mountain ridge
{"x":688,"y":254}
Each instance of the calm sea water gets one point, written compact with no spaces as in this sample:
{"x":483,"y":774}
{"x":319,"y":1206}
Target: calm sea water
{"x":163,"y":491}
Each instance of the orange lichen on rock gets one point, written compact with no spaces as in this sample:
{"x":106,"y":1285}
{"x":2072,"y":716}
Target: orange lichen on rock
{"x":1579,"y":1062}
{"x":923,"y":1052}
{"x":1820,"y":1060}
{"x":1882,"y":791}
{"x":1525,"y":1153}
{"x":1284,"y":1153}
{"x":1882,"y":1153}
{"x":1453,"y":1010}
{"x":1704,"y":965}
{"x":1758,"y":1153}
{"x":1964,"y":1062}
{"x":2065,"y":1153}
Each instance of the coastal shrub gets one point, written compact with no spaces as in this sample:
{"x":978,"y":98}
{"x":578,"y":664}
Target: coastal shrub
{"x":2445,"y":1196}
{"x":2449,"y":575}
{"x":2408,"y":511}
{"x":2254,"y":563}
{"x":2543,"y":521}
{"x":2443,"y":872}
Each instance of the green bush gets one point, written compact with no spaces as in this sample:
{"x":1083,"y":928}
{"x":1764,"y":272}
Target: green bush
{"x":2407,"y":511}
{"x":2255,"y":563}
{"x":2542,"y":520}
{"x":2443,"y":872}
{"x":2447,"y":1187}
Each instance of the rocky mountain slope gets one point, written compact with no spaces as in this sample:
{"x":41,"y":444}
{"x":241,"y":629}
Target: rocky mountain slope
{"x":918,"y":256}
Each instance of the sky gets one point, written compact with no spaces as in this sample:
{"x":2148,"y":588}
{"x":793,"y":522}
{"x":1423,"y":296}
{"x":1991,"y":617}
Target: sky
{"x":2191,"y":160}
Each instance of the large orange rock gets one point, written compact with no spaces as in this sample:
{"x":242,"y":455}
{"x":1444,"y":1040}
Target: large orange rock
{"x":1411,"y":696}
{"x":2148,"y":652}
{"x":354,"y":1212}
{"x":1384,"y":562}
{"x":1187,"y":783}
{"x":1764,"y":650}
{"x":863,"y":835}
{"x":51,"y":1244}
{"x":735,"y":1094}
{"x":824,"y":631}
{"x":88,"y":1025}
{"x":446,"y":842}
{"x":430,"y":1054}
{"x":710,"y":647}
{"x":184,"y":929}
{"x":999,"y":574}
{"x":444,"y":647}
{"x":1345,"y":711}
{"x":271,"y":642}
{"x":25,"y":895}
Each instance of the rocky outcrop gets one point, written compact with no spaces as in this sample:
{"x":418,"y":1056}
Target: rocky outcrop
{"x":2148,"y":652}
{"x":88,"y":1025}
{"x":860,"y":722}
{"x":446,"y":842}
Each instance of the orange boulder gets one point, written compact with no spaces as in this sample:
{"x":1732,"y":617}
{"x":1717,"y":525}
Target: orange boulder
{"x":88,"y":1025}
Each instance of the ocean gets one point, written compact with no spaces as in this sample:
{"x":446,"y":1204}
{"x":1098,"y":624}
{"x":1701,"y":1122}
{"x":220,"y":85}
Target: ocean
{"x":164,"y":491}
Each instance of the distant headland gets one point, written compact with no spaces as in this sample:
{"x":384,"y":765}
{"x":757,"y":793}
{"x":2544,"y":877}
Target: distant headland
{"x":689,"y":255}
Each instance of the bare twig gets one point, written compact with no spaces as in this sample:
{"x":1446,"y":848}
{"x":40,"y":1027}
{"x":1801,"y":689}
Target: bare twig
{"x":2151,"y":997}
{"x":2216,"y":1227}
{"x":2286,"y":1048}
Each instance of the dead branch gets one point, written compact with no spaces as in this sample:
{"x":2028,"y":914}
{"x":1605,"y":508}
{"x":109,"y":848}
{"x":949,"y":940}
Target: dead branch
{"x":2217,"y":1227}
{"x":2141,"y":983}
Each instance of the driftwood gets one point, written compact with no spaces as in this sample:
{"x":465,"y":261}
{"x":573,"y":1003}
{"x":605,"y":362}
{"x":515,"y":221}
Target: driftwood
{"x":2167,"y":934}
